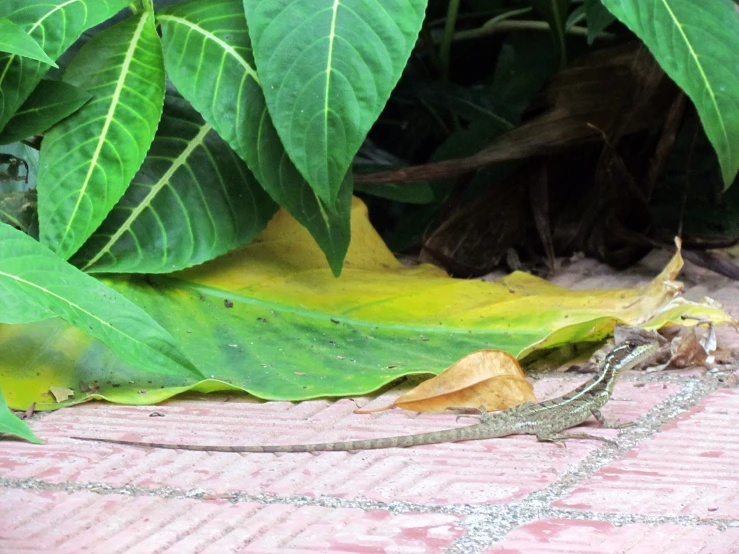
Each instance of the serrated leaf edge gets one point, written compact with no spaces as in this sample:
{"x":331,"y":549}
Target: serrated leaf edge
{"x":210,"y":36}
{"x":146,"y":202}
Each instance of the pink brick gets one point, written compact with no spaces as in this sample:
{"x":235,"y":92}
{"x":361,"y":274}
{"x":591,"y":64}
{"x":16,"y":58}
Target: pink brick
{"x":115,"y":524}
{"x":557,"y":536}
{"x":436,"y":474}
{"x":690,"y":468}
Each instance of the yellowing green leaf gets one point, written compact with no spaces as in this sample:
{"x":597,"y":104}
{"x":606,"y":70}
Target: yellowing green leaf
{"x":271,"y":319}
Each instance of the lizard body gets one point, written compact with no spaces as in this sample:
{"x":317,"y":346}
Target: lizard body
{"x":545,"y":419}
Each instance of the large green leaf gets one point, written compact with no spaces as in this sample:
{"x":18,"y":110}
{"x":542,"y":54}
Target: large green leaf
{"x":696,"y":43}
{"x":15,"y":40}
{"x":327,"y":69}
{"x":12,"y":425}
{"x":271,"y":319}
{"x":208,"y":57}
{"x":192,"y":200}
{"x":90,"y":158}
{"x":54,"y":25}
{"x":35,"y":285}
{"x":49,"y":103}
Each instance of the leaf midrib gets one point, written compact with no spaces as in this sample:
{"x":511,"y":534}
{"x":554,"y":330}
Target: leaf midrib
{"x":694,"y":56}
{"x":108,"y":121}
{"x":178,"y":162}
{"x":329,"y":61}
{"x":73,"y":305}
{"x":210,"y":36}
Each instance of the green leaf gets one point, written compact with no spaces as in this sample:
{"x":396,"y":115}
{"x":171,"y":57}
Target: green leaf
{"x":598,"y":18}
{"x":54,"y":25}
{"x":696,"y":43}
{"x":193,"y":199}
{"x":268,"y":160}
{"x":555,"y":13}
{"x":208,"y":57}
{"x":327,"y":70}
{"x":49,"y":103}
{"x":35,"y":285}
{"x":13,"y":425}
{"x":89,"y":159}
{"x":15,"y":40}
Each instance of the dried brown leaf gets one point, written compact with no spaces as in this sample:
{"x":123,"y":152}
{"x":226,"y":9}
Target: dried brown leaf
{"x":489,"y":378}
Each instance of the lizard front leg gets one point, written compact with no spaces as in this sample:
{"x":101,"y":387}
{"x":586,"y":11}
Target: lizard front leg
{"x":610,"y":424}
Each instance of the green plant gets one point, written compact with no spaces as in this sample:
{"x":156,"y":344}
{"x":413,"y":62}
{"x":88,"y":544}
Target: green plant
{"x":325,"y":81}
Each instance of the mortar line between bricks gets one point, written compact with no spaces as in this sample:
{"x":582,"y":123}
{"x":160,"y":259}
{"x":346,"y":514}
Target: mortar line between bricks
{"x":537,"y":505}
{"x":517,"y":510}
{"x":103,"y":489}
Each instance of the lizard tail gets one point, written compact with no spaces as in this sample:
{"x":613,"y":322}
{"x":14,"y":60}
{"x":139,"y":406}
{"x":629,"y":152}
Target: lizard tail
{"x":448,"y":435}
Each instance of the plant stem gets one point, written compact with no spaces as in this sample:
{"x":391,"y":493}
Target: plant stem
{"x":428,"y":45}
{"x":446,"y":40}
{"x":502,"y":26}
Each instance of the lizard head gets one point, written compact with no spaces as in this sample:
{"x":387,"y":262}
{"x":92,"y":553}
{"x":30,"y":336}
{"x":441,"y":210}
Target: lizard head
{"x":631,"y":352}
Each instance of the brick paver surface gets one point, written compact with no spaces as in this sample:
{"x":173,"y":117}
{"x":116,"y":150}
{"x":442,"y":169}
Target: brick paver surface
{"x":689,"y":468}
{"x":560,"y":536}
{"x":672,"y":484}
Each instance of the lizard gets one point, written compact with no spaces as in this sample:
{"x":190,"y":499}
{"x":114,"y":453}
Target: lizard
{"x":547,"y":420}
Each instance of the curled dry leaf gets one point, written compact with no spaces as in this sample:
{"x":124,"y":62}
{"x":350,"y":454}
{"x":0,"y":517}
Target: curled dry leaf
{"x":687,"y":350}
{"x":489,"y":378}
